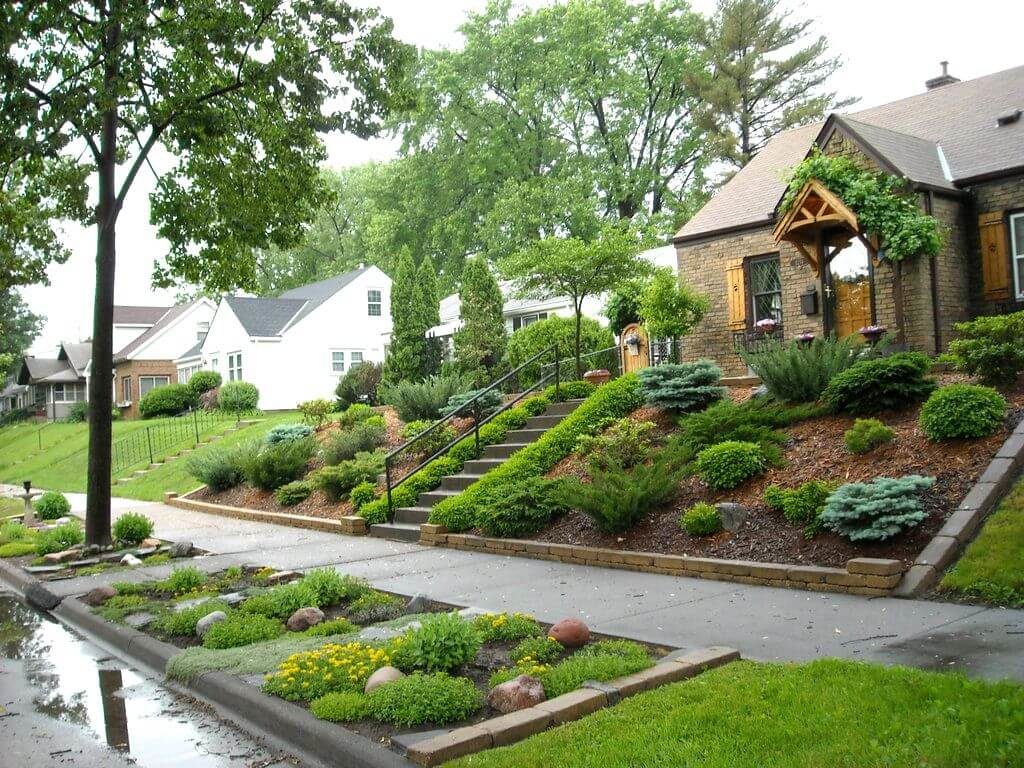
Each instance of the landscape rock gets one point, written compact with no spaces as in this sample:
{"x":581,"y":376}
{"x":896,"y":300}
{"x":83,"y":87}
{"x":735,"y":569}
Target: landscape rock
{"x":282,"y":577}
{"x":150,"y":542}
{"x":144,"y":551}
{"x":139,"y":620}
{"x":232,"y":598}
{"x":62,"y":557}
{"x":519,"y":693}
{"x":731,"y":514}
{"x":98,"y":595}
{"x":180,"y":549}
{"x":759,"y":391}
{"x":381,"y":676}
{"x":204,"y":624}
{"x":130,"y":559}
{"x":572,"y":633}
{"x":39,"y":596}
{"x":418,"y":604}
{"x":304,"y":618}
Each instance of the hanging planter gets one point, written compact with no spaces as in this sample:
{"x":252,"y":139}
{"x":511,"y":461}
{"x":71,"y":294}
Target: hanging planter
{"x":633,"y":343}
{"x":767,"y":326}
{"x":805,"y":339}
{"x":872,"y":333}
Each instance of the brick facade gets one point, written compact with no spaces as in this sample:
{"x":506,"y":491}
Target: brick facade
{"x":1004,"y":195}
{"x":134,"y":369}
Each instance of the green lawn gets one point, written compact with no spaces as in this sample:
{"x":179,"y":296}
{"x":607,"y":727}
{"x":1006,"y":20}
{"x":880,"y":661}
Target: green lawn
{"x":992,"y":568}
{"x":831,"y":713}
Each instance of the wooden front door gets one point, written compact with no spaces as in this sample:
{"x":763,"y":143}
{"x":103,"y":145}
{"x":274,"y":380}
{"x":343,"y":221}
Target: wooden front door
{"x":852,"y":305}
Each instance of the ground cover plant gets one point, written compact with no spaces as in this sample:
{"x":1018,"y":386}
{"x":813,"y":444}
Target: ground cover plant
{"x":866,"y":434}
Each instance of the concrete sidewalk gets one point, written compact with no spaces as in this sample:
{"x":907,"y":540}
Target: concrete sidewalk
{"x":765,"y":623}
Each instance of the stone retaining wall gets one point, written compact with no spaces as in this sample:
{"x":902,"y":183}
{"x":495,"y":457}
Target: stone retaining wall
{"x":350,"y":526}
{"x":862,"y":575}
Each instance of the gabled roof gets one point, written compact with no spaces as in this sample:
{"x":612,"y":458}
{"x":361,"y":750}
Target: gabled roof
{"x":78,"y":355}
{"x":35,"y":369}
{"x":167,"y":319}
{"x":317,"y":293}
{"x":134,"y":315}
{"x":195,"y":351}
{"x":943,"y":138}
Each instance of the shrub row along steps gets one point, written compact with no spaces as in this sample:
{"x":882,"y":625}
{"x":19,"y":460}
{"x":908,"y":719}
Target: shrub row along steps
{"x":407,"y":522}
{"x":204,"y":440}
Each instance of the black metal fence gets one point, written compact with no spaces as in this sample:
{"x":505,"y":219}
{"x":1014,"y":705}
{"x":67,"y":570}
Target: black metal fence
{"x":146,"y":445}
{"x":608,"y":359}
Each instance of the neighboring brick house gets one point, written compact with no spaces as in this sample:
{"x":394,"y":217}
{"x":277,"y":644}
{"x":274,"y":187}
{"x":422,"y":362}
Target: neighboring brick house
{"x":960,"y":145}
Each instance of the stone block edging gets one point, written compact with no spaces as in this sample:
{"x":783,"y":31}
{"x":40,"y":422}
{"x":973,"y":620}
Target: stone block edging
{"x":862,"y":576}
{"x":349,"y":526}
{"x":960,"y":527}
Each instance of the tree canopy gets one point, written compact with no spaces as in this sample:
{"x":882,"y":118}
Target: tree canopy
{"x":480,"y":342}
{"x":18,"y":329}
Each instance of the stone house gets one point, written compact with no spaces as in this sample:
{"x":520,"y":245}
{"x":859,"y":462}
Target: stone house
{"x":960,"y":147}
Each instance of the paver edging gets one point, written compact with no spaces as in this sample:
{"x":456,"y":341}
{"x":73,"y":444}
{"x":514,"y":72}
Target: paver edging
{"x":872,"y":577}
{"x":348,"y":526}
{"x":966,"y":520}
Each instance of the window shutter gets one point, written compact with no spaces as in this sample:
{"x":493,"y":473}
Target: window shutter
{"x":995,"y":263}
{"x":735,"y":297}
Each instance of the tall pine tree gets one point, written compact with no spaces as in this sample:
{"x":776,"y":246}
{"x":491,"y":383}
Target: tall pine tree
{"x":480,"y":343}
{"x":406,"y":355}
{"x":429,"y":303}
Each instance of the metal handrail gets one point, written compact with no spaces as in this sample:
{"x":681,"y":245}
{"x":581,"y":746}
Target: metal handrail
{"x":474,"y":405}
{"x":572,"y":360}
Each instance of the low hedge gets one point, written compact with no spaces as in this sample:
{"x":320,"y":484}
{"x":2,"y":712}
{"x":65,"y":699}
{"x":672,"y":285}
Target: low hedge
{"x":612,"y":401}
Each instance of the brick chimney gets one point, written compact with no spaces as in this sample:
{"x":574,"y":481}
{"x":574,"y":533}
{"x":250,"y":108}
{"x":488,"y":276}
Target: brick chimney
{"x":944,"y":79}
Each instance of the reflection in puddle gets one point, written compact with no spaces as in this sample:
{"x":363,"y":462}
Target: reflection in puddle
{"x":68,"y":689}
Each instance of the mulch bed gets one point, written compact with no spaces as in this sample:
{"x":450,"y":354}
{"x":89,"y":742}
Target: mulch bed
{"x":815,"y":452}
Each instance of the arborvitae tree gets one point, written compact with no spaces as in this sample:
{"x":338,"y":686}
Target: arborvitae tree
{"x":405,"y":360}
{"x":429,"y":307}
{"x":480,"y":343}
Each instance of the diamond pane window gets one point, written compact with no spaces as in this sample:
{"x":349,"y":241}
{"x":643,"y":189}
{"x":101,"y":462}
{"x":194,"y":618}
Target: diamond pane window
{"x":766,"y":289}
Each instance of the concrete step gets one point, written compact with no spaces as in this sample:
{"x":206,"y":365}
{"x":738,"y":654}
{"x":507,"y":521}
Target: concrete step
{"x":430,"y":498}
{"x":543,"y":422}
{"x":396,"y":531}
{"x":140,"y":472}
{"x":459,"y":482}
{"x":524,"y":435}
{"x":562,"y":409}
{"x":480,"y":467}
{"x":413,"y":515}
{"x":502,"y":451}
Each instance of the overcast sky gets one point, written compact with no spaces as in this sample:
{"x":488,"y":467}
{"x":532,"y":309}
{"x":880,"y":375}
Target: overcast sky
{"x":889,"y":48}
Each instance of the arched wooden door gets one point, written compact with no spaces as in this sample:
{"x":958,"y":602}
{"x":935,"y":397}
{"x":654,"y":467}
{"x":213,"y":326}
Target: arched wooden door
{"x":636,"y":349}
{"x":853,"y":305}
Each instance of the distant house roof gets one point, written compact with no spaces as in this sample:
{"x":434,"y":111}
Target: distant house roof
{"x":132,"y":315}
{"x":69,"y":365}
{"x":195,"y":351}
{"x":165,"y":320}
{"x":78,"y":355}
{"x":944,"y":138}
{"x":317,"y":293}
{"x":12,"y":388}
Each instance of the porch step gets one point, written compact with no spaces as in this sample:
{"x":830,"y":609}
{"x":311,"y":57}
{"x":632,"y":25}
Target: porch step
{"x":562,"y":409}
{"x":480,"y":467}
{"x":502,"y":451}
{"x":524,"y":435}
{"x":396,"y":531}
{"x":414,"y":515}
{"x":543,"y":422}
{"x":458,"y":482}
{"x":430,"y":498}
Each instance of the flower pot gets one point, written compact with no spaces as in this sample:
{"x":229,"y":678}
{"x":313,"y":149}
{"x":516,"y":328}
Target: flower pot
{"x":805,"y":339}
{"x":872,"y":333}
{"x":598,"y":377}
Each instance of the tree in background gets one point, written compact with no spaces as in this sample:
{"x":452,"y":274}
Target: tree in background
{"x":480,"y":343}
{"x":429,"y":304}
{"x":623,"y":304}
{"x":19,"y":327}
{"x":573,"y":267}
{"x":407,"y":352}
{"x":670,"y":309}
{"x":768,"y":75}
{"x":235,"y":96}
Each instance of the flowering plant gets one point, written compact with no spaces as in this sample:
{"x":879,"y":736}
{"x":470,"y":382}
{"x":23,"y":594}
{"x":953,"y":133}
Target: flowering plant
{"x":506,"y":626}
{"x":768,"y":324}
{"x":332,"y":667}
{"x":872,"y":330}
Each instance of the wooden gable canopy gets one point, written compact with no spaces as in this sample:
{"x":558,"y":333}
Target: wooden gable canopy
{"x":816,"y":214}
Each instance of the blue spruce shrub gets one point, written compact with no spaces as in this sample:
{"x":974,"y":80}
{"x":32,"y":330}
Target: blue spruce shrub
{"x":682,"y":388}
{"x":878,"y":510}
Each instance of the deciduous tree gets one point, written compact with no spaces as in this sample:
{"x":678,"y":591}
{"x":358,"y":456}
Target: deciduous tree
{"x":670,"y":309}
{"x":18,"y":329}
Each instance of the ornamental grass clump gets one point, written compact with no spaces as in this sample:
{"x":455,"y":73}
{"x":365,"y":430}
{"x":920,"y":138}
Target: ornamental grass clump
{"x":878,"y":510}
{"x":182,"y":580}
{"x":962,"y":411}
{"x":866,"y":434}
{"x":724,"y":466}
{"x":311,"y":674}
{"x":60,"y":538}
{"x":132,"y":528}
{"x":702,"y":519}
{"x":683,"y":387}
{"x":798,"y":372}
{"x":505,"y":627}
{"x":882,"y":384}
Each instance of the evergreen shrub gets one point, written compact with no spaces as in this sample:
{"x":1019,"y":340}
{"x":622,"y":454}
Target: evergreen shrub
{"x":877,"y":510}
{"x":962,"y":411}
{"x":880,"y":384}
{"x":684,"y":387}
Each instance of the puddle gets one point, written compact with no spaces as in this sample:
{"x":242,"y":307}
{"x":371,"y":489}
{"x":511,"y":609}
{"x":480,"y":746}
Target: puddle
{"x":63,"y":699}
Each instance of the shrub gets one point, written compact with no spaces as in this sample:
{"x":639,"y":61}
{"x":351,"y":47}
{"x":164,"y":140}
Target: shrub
{"x":241,"y":629}
{"x":238,"y":397}
{"x":344,"y":445}
{"x":354,"y":414}
{"x":538,"y":650}
{"x":423,"y":399}
{"x":320,"y":588}
{"x":485,"y":406}
{"x":684,"y":387}
{"x":614,"y":400}
{"x":218,"y":468}
{"x":375,"y":606}
{"x":880,"y":384}
{"x":315,"y":412}
{"x":359,"y":385}
{"x":626,"y":443}
{"x":520,"y":508}
{"x":877,"y":510}
{"x":801,"y":506}
{"x":336,"y":481}
{"x":794,"y":372}
{"x":271,"y":466}
{"x":579,"y":389}
{"x":52,"y":505}
{"x":13,"y":531}
{"x":505,"y":627}
{"x":702,"y":519}
{"x":284,"y":432}
{"x":363,"y":493}
{"x":431,"y":443}
{"x":203,"y":381}
{"x":59,"y":538}
{"x":725,"y":465}
{"x":290,"y":494}
{"x":184,"y":579}
{"x":341,"y":707}
{"x":18,"y":549}
{"x":77,"y":413}
{"x":332,"y":627}
{"x":131,"y":528}
{"x":442,"y":642}
{"x":991,"y":348}
{"x":536,"y":337}
{"x":865,"y":435}
{"x":962,"y":411}
{"x":418,"y":699}
{"x":168,"y":400}
{"x":182,"y":623}
{"x":617,"y":498}
{"x":311,"y":674}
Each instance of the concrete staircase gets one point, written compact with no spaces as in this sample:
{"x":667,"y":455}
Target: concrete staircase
{"x":407,"y":522}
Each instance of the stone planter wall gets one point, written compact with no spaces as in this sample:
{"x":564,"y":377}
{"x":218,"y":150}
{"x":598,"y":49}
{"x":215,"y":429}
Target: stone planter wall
{"x":350,"y":526}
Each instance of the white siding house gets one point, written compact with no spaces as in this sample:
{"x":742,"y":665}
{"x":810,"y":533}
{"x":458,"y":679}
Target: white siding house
{"x":295,"y":347}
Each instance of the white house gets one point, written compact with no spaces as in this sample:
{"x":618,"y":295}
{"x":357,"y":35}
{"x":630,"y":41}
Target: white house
{"x":295,"y":347}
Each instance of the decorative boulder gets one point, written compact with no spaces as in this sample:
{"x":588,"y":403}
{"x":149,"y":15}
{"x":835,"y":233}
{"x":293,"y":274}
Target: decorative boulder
{"x":731,"y":514}
{"x":98,"y":595}
{"x":62,"y":557}
{"x":381,"y":676}
{"x":180,"y":549}
{"x":571,"y":633}
{"x":304,"y":618}
{"x":130,"y":559}
{"x":418,"y":604}
{"x":204,"y":624}
{"x":150,"y":542}
{"x":281,"y":577}
{"x":519,"y":693}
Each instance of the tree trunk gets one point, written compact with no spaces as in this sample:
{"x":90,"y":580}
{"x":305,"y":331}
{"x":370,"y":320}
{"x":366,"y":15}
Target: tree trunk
{"x":97,"y":509}
{"x":576,"y":340}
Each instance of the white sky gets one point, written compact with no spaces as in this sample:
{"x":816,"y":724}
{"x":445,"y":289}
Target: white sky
{"x":889,"y":48}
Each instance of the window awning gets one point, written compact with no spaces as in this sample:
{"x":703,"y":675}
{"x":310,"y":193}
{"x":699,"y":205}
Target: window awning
{"x":816,"y":214}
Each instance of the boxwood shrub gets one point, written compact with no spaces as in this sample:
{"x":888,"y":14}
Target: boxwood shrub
{"x":132,"y":527}
{"x":168,"y":400}
{"x":962,"y":411}
{"x":52,"y":505}
{"x":702,"y":519}
{"x":238,"y":397}
{"x":203,"y":381}
{"x":723,"y":466}
{"x":613,"y":400}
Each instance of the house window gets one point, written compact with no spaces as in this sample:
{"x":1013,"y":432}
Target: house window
{"x":1017,"y":246}
{"x":146,"y":383}
{"x":373,"y":303}
{"x":356,"y":358}
{"x":766,"y":289}
{"x":68,"y":393}
{"x":185,"y":373}
{"x":235,"y":366}
{"x":201,"y":330}
{"x":524,"y":320}
{"x":126,"y":389}
{"x":338,"y":361}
